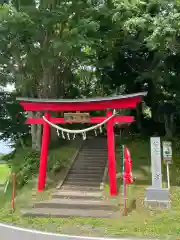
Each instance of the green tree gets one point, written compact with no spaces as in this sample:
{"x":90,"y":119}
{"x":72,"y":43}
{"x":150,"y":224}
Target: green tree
{"x":60,"y":49}
{"x":12,"y":119}
{"x":145,"y":40}
{"x":43,"y":45}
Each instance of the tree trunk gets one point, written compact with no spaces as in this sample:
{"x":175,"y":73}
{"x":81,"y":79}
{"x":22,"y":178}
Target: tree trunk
{"x":152,"y":100}
{"x":139,"y":117}
{"x":38,"y":134}
{"x":169,"y":125}
{"x":35,"y":133}
{"x":22,"y":142}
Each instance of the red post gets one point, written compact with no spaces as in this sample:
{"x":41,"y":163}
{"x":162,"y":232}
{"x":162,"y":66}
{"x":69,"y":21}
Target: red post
{"x":111,"y":155}
{"x":44,"y":154}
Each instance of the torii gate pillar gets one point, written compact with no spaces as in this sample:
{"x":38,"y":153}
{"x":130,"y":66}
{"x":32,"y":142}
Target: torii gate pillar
{"x":111,"y":155}
{"x":44,"y":154}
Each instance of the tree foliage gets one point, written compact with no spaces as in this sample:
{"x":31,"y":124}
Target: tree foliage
{"x":12,"y":118}
{"x":83,"y":48}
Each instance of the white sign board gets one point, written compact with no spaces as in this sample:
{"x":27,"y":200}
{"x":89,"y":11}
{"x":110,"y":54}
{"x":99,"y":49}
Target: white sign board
{"x":156,"y":162}
{"x":167,"y":151}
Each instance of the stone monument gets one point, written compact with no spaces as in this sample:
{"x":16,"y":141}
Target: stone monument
{"x":156,"y":196}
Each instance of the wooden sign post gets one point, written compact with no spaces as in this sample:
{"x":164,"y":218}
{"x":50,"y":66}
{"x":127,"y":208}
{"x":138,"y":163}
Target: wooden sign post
{"x":13,"y":191}
{"x":167,"y":158}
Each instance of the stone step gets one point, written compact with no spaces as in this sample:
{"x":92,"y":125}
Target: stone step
{"x":94,"y":148}
{"x":88,"y":165}
{"x":82,"y":188}
{"x":96,"y":144}
{"x":65,"y":213}
{"x":90,"y":162}
{"x":92,"y":154}
{"x":96,"y":171}
{"x":77,"y":194}
{"x":85,"y":174}
{"x":93,"y":178}
{"x":76,"y":204}
{"x":82,"y":172}
{"x":96,"y":139}
{"x":83,"y":183}
{"x":92,"y":158}
{"x":94,"y":151}
{"x":79,"y":178}
{"x":94,"y":165}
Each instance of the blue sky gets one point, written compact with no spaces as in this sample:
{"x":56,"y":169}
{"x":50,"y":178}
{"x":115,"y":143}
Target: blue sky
{"x":4,"y":147}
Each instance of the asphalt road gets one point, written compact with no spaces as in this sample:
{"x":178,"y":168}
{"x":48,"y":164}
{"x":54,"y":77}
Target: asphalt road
{"x":8,"y":232}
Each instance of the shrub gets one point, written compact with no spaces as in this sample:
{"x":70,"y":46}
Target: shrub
{"x":25,"y":162}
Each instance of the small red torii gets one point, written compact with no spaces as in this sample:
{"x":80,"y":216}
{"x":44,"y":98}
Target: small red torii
{"x":91,"y":104}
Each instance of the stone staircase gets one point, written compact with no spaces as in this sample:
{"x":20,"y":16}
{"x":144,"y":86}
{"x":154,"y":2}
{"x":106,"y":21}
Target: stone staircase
{"x":81,"y":194}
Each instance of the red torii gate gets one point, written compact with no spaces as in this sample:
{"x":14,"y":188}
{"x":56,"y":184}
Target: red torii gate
{"x":91,"y":104}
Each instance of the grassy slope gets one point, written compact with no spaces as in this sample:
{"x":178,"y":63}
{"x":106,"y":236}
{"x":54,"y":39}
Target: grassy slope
{"x":58,"y":158}
{"x":4,"y":173}
{"x":139,"y":222}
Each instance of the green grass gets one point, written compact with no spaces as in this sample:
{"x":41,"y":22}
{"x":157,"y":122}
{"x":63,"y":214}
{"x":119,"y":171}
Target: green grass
{"x":59,"y":157}
{"x":140,"y":222}
{"x":4,"y":173}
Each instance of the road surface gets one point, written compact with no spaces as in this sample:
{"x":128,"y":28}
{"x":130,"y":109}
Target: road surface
{"x":8,"y":232}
